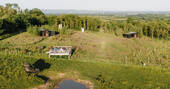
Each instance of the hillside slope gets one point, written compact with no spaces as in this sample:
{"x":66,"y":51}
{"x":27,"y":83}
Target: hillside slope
{"x":117,"y":59}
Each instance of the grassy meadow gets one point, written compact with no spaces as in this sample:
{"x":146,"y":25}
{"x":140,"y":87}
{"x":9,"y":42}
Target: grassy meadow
{"x":108,"y":61}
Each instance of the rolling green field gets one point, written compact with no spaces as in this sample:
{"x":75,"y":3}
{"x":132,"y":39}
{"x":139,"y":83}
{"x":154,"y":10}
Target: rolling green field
{"x":108,"y":61}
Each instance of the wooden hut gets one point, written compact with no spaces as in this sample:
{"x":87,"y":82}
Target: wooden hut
{"x":130,"y":35}
{"x":47,"y":33}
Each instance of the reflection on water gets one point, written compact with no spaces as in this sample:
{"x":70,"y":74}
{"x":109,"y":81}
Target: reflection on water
{"x":70,"y":84}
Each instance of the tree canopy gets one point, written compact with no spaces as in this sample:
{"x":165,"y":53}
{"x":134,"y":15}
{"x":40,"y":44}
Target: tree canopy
{"x":12,"y":19}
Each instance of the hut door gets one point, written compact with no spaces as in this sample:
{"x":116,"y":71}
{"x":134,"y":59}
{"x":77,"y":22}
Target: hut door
{"x":46,"y":33}
{"x":135,"y":36}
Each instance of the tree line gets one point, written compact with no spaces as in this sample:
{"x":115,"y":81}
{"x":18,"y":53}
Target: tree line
{"x":13,"y":19}
{"x":151,"y":28}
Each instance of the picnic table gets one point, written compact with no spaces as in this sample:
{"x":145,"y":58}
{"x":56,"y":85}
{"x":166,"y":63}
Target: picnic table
{"x":60,"y":50}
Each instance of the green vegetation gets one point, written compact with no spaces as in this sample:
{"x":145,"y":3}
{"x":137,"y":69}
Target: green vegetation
{"x":33,"y":30}
{"x":117,"y":59}
{"x":116,"y":76}
{"x":12,"y":19}
{"x":101,"y":55}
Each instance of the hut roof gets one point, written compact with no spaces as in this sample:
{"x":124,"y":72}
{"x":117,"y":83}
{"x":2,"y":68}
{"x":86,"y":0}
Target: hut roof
{"x":43,"y":29}
{"x":131,"y":33}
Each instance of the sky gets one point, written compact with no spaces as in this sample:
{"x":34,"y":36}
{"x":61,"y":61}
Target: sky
{"x":111,"y":5}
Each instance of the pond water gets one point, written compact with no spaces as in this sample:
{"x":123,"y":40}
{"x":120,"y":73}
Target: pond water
{"x":70,"y":84}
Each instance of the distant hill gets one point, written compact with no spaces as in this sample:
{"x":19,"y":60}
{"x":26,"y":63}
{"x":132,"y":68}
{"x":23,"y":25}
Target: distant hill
{"x":96,"y":12}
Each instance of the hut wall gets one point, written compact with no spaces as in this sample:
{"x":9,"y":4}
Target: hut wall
{"x":130,"y":35}
{"x":47,"y":33}
{"x":53,"y":33}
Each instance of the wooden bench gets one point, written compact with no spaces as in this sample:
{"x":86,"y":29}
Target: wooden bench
{"x":60,"y":50}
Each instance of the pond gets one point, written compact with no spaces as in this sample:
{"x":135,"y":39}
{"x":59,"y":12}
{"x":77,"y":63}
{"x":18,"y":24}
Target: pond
{"x":70,"y":84}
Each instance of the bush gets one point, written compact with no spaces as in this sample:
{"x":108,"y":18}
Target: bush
{"x":1,"y":23}
{"x":33,"y":30}
{"x":118,"y":32}
{"x":65,"y":31}
{"x":53,"y":27}
{"x":1,"y":31}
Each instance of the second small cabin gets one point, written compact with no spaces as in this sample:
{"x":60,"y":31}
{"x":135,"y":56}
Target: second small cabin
{"x":130,"y":35}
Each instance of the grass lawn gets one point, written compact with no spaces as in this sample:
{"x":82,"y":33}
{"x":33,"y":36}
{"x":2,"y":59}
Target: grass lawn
{"x":107,"y":61}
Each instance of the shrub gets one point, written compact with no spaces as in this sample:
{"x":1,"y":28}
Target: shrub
{"x":33,"y":30}
{"x":53,"y":27}
{"x":118,"y":32}
{"x":1,"y":30}
{"x":65,"y":31}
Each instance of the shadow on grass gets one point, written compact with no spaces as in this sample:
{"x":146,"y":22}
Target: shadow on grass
{"x":73,"y":50}
{"x":43,"y":78}
{"x":41,"y":65}
{"x":7,"y":35}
